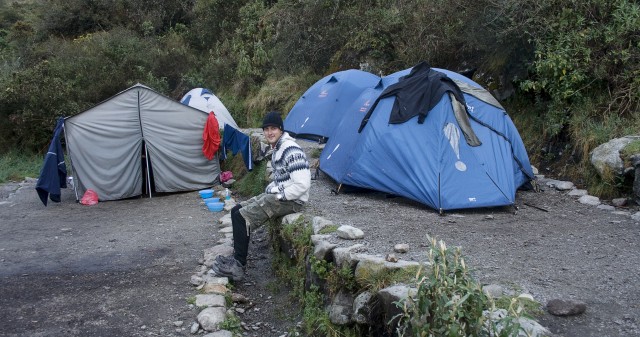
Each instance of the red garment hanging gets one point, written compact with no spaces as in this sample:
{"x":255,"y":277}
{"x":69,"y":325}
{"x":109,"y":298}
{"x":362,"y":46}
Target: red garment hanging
{"x":211,"y":136}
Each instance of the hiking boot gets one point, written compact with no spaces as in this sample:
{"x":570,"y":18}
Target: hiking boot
{"x":220,"y":259}
{"x":233,"y":271}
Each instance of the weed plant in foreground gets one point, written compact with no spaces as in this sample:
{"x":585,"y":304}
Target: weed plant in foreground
{"x":449,"y":302}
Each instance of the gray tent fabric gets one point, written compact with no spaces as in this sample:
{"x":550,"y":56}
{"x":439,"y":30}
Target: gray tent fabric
{"x":110,"y":145}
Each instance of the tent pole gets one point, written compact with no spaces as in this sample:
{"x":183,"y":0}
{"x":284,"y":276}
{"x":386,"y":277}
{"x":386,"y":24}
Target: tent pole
{"x":75,"y":183}
{"x":146,"y":158}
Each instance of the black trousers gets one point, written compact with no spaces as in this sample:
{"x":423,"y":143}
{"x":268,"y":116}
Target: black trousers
{"x":240,"y":235}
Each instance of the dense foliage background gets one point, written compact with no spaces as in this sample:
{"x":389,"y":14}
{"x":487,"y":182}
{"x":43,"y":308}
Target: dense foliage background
{"x":568,"y":71}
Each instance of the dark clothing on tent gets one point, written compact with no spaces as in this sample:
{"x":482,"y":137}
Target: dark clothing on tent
{"x":53,"y":175}
{"x":237,"y":141}
{"x":416,"y":94}
{"x":211,"y":136}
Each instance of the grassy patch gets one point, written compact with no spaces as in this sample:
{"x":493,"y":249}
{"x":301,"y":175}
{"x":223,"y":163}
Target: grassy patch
{"x":328,"y":229}
{"x":16,"y":165}
{"x":532,"y":308}
{"x":631,"y":149}
{"x":277,"y":92}
{"x":250,"y":183}
{"x":315,"y":153}
{"x":373,"y":280}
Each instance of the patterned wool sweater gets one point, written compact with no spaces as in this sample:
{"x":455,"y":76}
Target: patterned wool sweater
{"x":291,"y":174}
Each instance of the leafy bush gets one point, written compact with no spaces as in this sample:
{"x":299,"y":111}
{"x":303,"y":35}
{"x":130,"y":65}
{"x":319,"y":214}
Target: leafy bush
{"x":583,"y":51}
{"x":31,"y":101}
{"x":448,"y":301}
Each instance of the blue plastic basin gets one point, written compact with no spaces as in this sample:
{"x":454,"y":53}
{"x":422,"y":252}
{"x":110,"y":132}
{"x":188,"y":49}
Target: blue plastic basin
{"x":215,"y":206}
{"x":206,"y":194}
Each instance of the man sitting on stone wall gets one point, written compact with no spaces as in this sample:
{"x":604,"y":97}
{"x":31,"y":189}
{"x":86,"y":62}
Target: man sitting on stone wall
{"x":286,"y":194}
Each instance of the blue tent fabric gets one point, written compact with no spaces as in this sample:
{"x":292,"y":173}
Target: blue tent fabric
{"x":53,"y":175}
{"x":431,"y":162}
{"x":237,"y":141}
{"x":321,"y":107}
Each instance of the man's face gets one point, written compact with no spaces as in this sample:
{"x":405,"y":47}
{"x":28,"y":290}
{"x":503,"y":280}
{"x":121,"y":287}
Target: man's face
{"x":272,"y":134}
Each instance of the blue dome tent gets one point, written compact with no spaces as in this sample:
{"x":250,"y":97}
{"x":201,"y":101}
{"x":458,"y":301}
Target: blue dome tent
{"x":321,"y":107}
{"x":464,"y":152}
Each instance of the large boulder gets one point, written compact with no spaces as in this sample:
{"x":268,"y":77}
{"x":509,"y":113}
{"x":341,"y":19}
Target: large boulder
{"x":606,"y":157}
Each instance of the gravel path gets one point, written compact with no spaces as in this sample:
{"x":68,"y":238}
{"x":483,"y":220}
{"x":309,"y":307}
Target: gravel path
{"x":122,"y":268}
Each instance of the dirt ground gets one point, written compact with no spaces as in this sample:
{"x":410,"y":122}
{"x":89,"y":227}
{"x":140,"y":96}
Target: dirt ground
{"x":122,"y":268}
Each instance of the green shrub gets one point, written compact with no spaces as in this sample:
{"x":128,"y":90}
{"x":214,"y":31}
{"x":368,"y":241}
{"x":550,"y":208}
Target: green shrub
{"x":448,"y":302}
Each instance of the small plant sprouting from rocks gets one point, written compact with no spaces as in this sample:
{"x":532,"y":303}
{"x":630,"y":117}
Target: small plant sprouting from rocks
{"x":315,"y":320}
{"x":328,"y":229}
{"x":342,"y":278}
{"x":449,"y":302}
{"x":233,"y":324}
{"x":530,"y":307}
{"x":298,"y":234}
{"x":631,"y":149}
{"x":228,"y":300}
{"x":321,"y":267}
{"x":191,"y":300}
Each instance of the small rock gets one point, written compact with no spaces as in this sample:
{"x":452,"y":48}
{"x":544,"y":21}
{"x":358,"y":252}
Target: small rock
{"x":391,"y":258}
{"x":564,"y":185}
{"x":211,"y":317}
{"x":213,"y":288}
{"x":619,"y":202}
{"x":589,"y":200}
{"x":178,"y":323}
{"x":577,"y":192}
{"x":559,"y":307}
{"x":606,"y":207}
{"x":238,"y":298}
{"x":196,"y":280}
{"x":350,"y":232}
{"x":210,"y":300}
{"x":194,"y":327}
{"x":401,"y":248}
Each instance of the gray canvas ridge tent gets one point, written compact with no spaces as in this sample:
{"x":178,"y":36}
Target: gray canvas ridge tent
{"x":138,"y":139}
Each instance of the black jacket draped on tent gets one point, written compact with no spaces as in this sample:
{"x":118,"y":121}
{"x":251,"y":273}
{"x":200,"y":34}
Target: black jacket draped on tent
{"x":416,"y":94}
{"x":53,"y":175}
